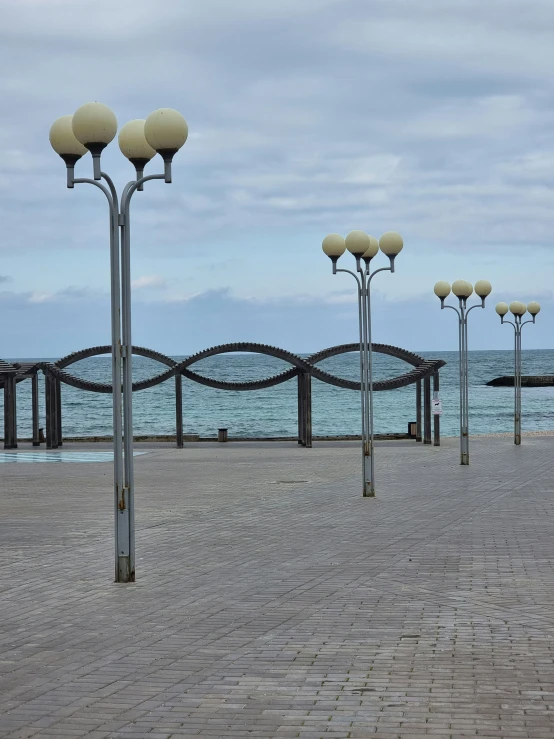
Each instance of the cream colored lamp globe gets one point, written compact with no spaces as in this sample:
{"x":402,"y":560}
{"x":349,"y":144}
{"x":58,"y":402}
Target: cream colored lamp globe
{"x":391,"y":243}
{"x":442,"y":289}
{"x":63,"y":141}
{"x":134,"y":145}
{"x":94,"y":125}
{"x":482,"y":288}
{"x":462,"y":289}
{"x":166,"y":131}
{"x":533,"y":308}
{"x":502,"y":308}
{"x":372,"y":249}
{"x":357,"y":243}
{"x":517,"y":308}
{"x":333,"y":245}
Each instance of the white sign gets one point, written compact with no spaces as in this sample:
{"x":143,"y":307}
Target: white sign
{"x":437,"y":407}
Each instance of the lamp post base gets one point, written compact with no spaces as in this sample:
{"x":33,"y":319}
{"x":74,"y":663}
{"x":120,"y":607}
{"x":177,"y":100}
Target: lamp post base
{"x":369,"y":490}
{"x":464,"y":458}
{"x":124,"y":573}
{"x":517,"y":440}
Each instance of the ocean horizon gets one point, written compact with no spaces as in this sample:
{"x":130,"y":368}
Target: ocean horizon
{"x":273,"y":412}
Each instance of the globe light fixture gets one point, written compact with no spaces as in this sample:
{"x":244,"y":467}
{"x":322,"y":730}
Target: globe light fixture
{"x":364,"y":247}
{"x":371,"y":251}
{"x":517,"y":308}
{"x":95,"y":126}
{"x":91,"y":128}
{"x":357,"y":243}
{"x":134,"y":146}
{"x":166,"y":131}
{"x":64,"y":143}
{"x":334,"y":246}
{"x":482,"y":288}
{"x":462,"y":289}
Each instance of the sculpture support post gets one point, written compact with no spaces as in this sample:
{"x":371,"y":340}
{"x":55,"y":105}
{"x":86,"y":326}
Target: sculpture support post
{"x":436,"y":416}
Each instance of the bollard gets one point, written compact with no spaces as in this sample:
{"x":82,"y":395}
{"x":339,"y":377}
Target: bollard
{"x":222,"y":435}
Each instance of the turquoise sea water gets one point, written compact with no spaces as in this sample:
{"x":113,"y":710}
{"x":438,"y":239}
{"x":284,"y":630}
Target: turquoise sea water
{"x":273,"y":412}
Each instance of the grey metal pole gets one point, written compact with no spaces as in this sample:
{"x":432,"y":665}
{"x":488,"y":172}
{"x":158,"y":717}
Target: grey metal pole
{"x":363,"y":403}
{"x":127,"y":503}
{"x":368,"y":488}
{"x":363,"y":356}
{"x":126,"y":511}
{"x":461,"y":360}
{"x":120,"y":531}
{"x":517,"y":433}
{"x":371,"y":492}
{"x":465,"y":428}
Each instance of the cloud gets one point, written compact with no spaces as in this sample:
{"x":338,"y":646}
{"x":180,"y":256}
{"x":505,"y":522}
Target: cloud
{"x":149,"y":282}
{"x":301,"y":323}
{"x":305,"y":117}
{"x":4,"y":279}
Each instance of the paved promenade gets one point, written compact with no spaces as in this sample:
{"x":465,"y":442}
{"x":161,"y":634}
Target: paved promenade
{"x":273,"y":601}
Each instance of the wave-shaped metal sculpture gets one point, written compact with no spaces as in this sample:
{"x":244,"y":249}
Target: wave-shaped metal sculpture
{"x":304,"y":368}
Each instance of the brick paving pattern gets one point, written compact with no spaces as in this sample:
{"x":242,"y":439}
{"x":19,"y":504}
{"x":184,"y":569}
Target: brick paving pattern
{"x":273,"y":601}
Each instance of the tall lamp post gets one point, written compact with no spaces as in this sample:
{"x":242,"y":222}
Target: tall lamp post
{"x":91,"y":128}
{"x":518,"y":310}
{"x":364,"y":247}
{"x":463,"y":290}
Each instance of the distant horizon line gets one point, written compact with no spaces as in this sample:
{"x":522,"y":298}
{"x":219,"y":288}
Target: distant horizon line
{"x":300,"y":353}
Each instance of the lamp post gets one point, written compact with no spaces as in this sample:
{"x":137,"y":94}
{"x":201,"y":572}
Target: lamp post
{"x":91,"y":128}
{"x":518,"y":310}
{"x":463,"y":290}
{"x":364,"y":247}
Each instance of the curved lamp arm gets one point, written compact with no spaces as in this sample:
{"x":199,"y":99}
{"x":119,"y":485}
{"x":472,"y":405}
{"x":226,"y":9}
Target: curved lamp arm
{"x":482,"y":305}
{"x":354,"y":275}
{"x":381,"y":269}
{"x":443,"y":306}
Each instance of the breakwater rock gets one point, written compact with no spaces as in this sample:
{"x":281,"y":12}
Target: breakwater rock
{"x":526,"y":381}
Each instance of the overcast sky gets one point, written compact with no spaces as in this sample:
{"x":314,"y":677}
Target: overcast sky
{"x":431,"y":118}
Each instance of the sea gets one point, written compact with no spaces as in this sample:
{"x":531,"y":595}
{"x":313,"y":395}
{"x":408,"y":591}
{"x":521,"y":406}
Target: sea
{"x":273,"y":412}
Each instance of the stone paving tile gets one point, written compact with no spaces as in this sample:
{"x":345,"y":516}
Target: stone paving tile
{"x":273,"y":601}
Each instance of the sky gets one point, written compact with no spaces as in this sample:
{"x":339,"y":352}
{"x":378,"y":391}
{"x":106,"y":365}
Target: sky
{"x":431,"y":118}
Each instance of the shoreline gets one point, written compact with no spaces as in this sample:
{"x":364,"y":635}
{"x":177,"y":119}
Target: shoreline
{"x":194,"y":439}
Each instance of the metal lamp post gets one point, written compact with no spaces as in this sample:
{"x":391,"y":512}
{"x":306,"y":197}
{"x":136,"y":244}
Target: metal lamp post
{"x":463,"y":290}
{"x":518,"y":310}
{"x":364,"y":247}
{"x":92,"y":127}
